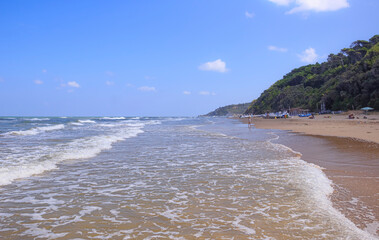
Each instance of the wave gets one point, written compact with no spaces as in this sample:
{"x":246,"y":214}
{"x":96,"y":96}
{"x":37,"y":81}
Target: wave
{"x":36,"y":130}
{"x":76,"y":123}
{"x":107,"y":125}
{"x":38,"y":119}
{"x":9,"y":174}
{"x":6,"y":119}
{"x":282,"y":148}
{"x":176,"y":119}
{"x":77,"y":149}
{"x":87,"y":121}
{"x":113,"y":118}
{"x":131,"y":122}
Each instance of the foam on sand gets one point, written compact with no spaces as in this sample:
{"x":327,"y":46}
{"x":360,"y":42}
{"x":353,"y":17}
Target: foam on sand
{"x":241,"y":227}
{"x":318,"y":189}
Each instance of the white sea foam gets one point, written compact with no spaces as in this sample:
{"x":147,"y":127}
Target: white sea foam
{"x":372,"y":227}
{"x":134,"y":123}
{"x":88,"y":210}
{"x":36,"y":130}
{"x":38,"y":119}
{"x":239,"y":185}
{"x":318,"y":189}
{"x":243,"y":228}
{"x":91,"y":146}
{"x":113,"y":118}
{"x":87,"y":121}
{"x":51,"y":128}
{"x":34,"y":230}
{"x":175,"y":119}
{"x":10,"y":173}
{"x":107,"y":125}
{"x":171,"y":214}
{"x":77,"y":124}
{"x":81,"y":148}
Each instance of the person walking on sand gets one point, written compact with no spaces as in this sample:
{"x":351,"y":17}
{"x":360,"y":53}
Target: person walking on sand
{"x":249,"y":122}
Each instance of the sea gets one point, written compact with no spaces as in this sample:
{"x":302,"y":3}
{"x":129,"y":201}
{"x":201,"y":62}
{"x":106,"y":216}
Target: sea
{"x":159,"y":178}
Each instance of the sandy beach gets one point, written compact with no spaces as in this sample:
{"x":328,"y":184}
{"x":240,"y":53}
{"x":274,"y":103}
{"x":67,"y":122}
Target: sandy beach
{"x":328,"y":125}
{"x":348,"y":152}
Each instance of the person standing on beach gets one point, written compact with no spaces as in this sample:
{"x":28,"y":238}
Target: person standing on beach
{"x":249,"y":122}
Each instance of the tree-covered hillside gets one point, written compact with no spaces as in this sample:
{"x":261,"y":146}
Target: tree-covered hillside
{"x":347,"y":80}
{"x":229,"y":110}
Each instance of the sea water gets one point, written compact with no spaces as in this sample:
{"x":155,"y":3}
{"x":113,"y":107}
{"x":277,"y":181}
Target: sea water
{"x":159,"y":178}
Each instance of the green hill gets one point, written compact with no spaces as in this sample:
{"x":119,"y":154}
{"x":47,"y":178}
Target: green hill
{"x":229,"y":110}
{"x":347,"y":80}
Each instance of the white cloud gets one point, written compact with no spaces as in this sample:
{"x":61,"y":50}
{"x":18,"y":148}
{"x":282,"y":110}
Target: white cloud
{"x":147,"y":89}
{"x":309,"y":55}
{"x":44,"y":71}
{"x":216,"y":66}
{"x":206,"y":93}
{"x":249,"y":15}
{"x":186,"y":92}
{"x":109,"y":83}
{"x":73,"y":84}
{"x":278,"y":49}
{"x":281,"y":2}
{"x":313,"y":5}
{"x":38,"y":82}
{"x":319,"y":5}
{"x":129,"y":85}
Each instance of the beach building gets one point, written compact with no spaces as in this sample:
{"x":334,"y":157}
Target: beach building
{"x":297,"y":111}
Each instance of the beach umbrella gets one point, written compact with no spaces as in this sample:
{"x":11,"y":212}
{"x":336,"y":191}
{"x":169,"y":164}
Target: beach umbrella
{"x":367,"y":109}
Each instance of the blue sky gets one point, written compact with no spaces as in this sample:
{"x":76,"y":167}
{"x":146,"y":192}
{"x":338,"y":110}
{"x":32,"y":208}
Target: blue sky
{"x":163,"y":58}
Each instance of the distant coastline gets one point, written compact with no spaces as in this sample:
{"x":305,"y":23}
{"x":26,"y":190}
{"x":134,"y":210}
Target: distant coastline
{"x":346,"y":81}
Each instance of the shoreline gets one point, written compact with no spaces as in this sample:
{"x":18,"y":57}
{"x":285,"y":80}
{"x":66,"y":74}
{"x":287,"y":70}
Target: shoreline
{"x":327,"y":125}
{"x":348,"y":158}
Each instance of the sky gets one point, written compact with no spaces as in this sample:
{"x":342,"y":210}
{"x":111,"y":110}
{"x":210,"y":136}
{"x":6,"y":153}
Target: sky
{"x":163,"y":58}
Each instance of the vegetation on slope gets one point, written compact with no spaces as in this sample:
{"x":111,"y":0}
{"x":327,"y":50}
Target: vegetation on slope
{"x":347,"y":80}
{"x":229,"y":110}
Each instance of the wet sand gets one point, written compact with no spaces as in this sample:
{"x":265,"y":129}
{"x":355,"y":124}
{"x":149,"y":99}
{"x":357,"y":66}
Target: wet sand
{"x":353,"y":166}
{"x":349,"y":158}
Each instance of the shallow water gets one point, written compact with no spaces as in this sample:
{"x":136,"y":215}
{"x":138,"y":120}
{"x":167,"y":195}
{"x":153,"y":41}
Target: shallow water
{"x":353,"y":167}
{"x":159,"y":178}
